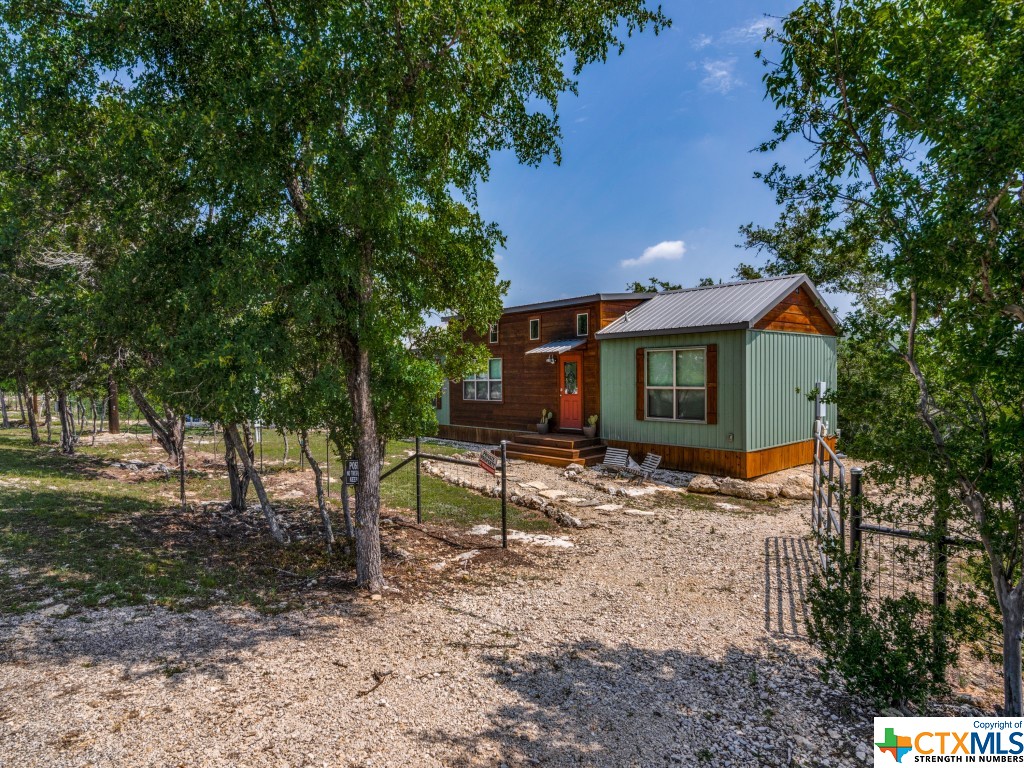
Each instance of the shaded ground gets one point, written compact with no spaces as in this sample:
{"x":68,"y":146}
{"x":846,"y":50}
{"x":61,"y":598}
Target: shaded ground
{"x":674,"y":637}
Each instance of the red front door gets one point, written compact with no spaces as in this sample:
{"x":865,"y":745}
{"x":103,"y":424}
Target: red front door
{"x":570,"y":411}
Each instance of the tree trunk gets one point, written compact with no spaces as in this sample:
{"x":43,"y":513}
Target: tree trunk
{"x":33,"y":425}
{"x":113,"y":412}
{"x":21,"y":403}
{"x":369,"y":571}
{"x":180,"y":435}
{"x":284,"y":436}
{"x":164,"y":432}
{"x":49,"y":419}
{"x":318,"y":479}
{"x":67,"y":423}
{"x":275,"y":530}
{"x":6,"y":422}
{"x":1012,"y":608}
{"x":235,"y":476}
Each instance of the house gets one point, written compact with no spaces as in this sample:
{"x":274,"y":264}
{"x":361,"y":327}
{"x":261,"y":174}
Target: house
{"x":714,"y":379}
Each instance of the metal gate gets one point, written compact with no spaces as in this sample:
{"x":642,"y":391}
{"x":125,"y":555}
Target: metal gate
{"x":828,"y":499}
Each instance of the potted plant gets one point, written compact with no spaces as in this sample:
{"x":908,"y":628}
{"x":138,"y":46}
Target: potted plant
{"x":591,"y":429}
{"x":545,"y":417}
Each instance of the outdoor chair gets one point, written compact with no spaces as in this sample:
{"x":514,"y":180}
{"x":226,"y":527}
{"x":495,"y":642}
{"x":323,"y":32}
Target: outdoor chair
{"x":616,"y":459}
{"x":651,"y":462}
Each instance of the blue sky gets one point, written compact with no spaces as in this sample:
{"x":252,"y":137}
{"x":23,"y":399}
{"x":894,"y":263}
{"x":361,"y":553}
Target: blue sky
{"x":657,"y":152}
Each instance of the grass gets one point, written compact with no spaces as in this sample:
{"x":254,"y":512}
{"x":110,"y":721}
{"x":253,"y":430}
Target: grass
{"x":72,"y":534}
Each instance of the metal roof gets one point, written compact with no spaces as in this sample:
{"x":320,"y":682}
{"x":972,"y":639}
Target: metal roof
{"x":576,"y":300}
{"x":557,"y":347}
{"x":711,"y":308}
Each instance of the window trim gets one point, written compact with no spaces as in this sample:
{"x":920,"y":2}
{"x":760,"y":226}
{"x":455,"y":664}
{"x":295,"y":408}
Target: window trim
{"x":673,"y":388}
{"x":530,"y":332}
{"x":475,"y":399}
{"x":492,"y":334}
{"x":578,"y":316}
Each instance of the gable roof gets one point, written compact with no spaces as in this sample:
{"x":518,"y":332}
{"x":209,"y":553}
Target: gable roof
{"x":592,"y":298}
{"x":728,"y":306}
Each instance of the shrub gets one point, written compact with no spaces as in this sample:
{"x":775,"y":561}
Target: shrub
{"x":894,"y":651}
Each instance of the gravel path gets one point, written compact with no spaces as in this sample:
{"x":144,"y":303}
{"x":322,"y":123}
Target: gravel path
{"x":673,"y":637}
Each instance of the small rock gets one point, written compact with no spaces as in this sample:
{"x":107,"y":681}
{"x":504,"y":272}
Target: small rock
{"x":742,"y":489}
{"x":553,"y":494}
{"x":798,"y":487}
{"x":702,"y":484}
{"x":375,"y":596}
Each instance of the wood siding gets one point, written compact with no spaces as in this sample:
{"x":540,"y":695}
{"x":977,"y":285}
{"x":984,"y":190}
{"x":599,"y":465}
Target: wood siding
{"x":797,"y":313}
{"x":745,"y":465}
{"x":529,"y":384}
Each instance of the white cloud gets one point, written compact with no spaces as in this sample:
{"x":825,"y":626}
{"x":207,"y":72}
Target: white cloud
{"x":702,"y":41}
{"x":720,"y":75}
{"x":753,"y":30}
{"x":666,"y":250}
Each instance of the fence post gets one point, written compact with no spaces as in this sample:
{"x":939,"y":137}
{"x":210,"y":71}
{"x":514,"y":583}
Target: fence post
{"x":504,"y":511}
{"x":419,"y":503}
{"x":940,"y":581}
{"x":856,"y":517}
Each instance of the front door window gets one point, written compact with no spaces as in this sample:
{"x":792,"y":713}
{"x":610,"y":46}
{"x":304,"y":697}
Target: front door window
{"x":571,"y":385}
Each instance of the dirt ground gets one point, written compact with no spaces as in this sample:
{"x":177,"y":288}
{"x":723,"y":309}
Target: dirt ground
{"x":670,"y":632}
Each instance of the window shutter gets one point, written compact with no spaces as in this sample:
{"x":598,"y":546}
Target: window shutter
{"x":641,"y":384}
{"x":712,"y":384}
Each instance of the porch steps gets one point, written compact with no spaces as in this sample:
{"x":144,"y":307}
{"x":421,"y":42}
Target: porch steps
{"x":557,"y":449}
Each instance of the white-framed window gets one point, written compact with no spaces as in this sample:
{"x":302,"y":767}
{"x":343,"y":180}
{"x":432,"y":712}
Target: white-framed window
{"x":676,"y":384}
{"x":582,"y":324}
{"x":534,"y":328}
{"x":485,"y":385}
{"x":493,"y":335}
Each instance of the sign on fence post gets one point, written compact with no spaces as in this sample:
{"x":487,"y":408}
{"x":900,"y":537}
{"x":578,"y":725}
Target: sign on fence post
{"x":352,"y":471}
{"x":488,"y":462}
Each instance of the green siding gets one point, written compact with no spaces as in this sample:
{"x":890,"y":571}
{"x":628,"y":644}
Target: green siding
{"x":618,"y":393}
{"x":444,"y":412}
{"x":782,"y":369}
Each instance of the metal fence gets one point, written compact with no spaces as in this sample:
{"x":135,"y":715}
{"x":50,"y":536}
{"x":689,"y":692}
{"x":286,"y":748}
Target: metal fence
{"x":490,"y":464}
{"x":889,"y":561}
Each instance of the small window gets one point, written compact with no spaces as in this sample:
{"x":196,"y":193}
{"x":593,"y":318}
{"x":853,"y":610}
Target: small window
{"x":676,"y":381}
{"x":494,"y":333}
{"x":485,"y":385}
{"x":582,"y":324}
{"x":534,"y":329}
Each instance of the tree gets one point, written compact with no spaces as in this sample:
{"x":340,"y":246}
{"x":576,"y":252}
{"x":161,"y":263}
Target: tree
{"x":352,"y":137}
{"x":654,"y":285}
{"x":913,"y":199}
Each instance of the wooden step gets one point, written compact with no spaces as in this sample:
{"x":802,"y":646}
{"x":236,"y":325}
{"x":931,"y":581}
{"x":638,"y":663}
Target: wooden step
{"x":555,"y":461}
{"x":556,"y":440}
{"x":548,"y":450}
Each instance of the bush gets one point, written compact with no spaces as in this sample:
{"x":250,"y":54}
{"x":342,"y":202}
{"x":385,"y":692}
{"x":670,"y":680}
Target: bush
{"x":885,"y":651}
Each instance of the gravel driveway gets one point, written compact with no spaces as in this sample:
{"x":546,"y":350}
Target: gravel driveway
{"x":671,"y":637}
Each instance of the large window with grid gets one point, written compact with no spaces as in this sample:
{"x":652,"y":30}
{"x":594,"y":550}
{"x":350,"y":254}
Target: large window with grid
{"x":676,"y":384}
{"x":485,"y":385}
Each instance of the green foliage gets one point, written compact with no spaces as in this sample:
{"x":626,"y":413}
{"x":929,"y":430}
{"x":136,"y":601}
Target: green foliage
{"x":912,"y":201}
{"x":654,"y":285}
{"x":885,"y":651}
